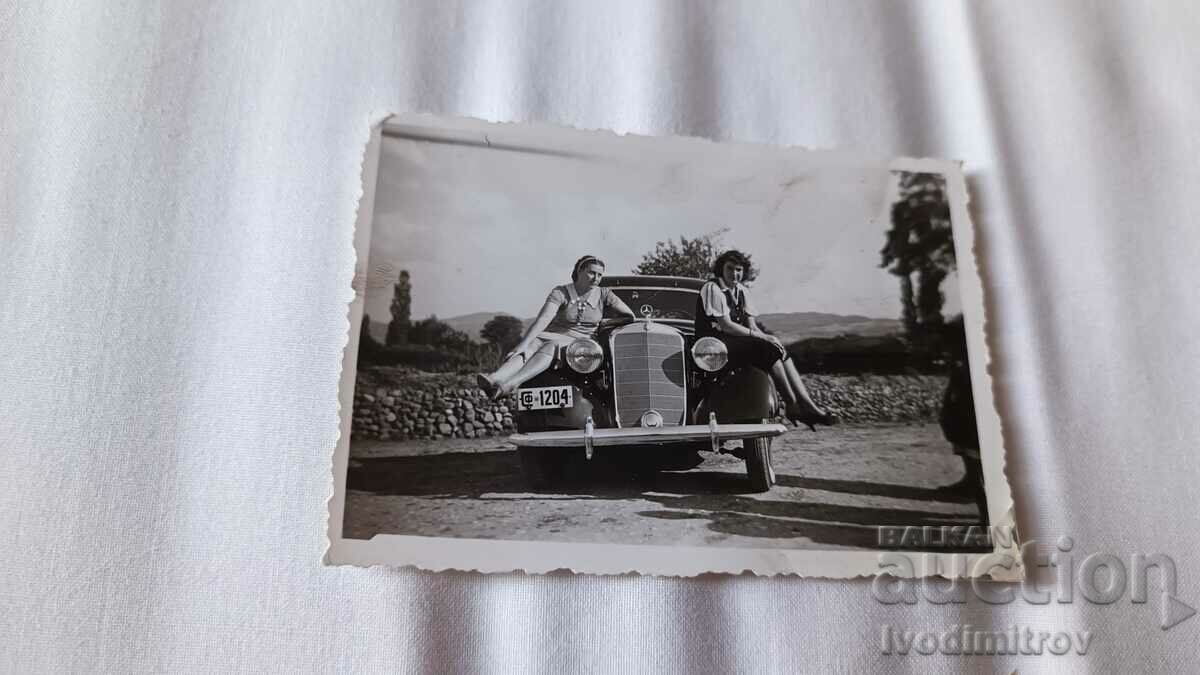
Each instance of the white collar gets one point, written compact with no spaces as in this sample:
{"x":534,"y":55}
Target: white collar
{"x":589,"y":298}
{"x":736,"y":287}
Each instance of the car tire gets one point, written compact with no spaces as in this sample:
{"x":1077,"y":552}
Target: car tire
{"x":542,"y":467}
{"x":758,"y":463}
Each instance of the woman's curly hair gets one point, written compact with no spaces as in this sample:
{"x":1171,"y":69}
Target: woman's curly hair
{"x":738,"y":258}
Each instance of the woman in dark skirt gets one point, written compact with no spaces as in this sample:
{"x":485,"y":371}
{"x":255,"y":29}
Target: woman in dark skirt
{"x":724,"y":311}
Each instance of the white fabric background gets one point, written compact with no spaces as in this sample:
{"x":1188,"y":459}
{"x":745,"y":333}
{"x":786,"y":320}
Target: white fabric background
{"x":178,"y":188}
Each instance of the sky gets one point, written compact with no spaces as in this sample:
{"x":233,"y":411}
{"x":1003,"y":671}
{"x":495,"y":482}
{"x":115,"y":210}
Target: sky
{"x":488,"y":218}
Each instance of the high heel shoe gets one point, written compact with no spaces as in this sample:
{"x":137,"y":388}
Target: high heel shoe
{"x":485,"y":383}
{"x":810,"y":419}
{"x":503,"y":389}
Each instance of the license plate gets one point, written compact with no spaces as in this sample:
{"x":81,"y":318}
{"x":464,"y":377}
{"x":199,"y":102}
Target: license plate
{"x":542,"y":398}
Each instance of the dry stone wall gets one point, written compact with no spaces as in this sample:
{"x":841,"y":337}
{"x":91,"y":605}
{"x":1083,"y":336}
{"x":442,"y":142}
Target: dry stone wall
{"x":397,"y":403}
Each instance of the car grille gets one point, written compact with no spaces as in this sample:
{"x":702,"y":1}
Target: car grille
{"x":648,"y":374}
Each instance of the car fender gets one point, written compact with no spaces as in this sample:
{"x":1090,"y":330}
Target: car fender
{"x":743,"y":395}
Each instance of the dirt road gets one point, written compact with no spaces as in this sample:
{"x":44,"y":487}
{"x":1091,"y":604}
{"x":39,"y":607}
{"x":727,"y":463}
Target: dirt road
{"x":834,"y":487}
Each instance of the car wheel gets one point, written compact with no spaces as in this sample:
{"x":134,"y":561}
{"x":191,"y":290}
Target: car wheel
{"x":542,"y":467}
{"x":758,"y":464}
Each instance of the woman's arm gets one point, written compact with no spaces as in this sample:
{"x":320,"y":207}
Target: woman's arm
{"x":544,"y":317}
{"x":755,"y":330}
{"x":714,"y":307}
{"x":618,"y":305}
{"x":728,"y":326}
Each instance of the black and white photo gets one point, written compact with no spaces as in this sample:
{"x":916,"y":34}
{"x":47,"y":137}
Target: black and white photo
{"x":611,"y":353}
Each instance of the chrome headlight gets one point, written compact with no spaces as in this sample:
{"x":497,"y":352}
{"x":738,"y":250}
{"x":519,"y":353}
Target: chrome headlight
{"x":710,"y":354}
{"x":584,"y":356}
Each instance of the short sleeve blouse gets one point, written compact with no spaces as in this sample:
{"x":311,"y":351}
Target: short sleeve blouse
{"x":715,"y":304}
{"x":579,"y":314}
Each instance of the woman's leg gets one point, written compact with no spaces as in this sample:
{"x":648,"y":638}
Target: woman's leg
{"x":779,"y":375}
{"x":536,"y":365}
{"x":490,"y":383}
{"x":799,"y":403}
{"x":507,"y":369}
{"x":802,"y":398}
{"x":763,"y":352}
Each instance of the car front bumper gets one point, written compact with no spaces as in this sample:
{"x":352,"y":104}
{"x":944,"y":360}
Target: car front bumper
{"x":590,"y":437}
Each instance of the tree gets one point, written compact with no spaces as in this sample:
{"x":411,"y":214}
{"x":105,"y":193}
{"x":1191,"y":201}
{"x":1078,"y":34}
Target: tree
{"x":436,"y":333}
{"x":504,"y":331}
{"x":920,"y":244}
{"x":930,"y":298}
{"x":688,"y":257}
{"x":398,"y":329}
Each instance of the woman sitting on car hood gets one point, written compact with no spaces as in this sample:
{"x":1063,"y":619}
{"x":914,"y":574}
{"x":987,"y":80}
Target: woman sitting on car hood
{"x":571,"y":312}
{"x":725,"y":313}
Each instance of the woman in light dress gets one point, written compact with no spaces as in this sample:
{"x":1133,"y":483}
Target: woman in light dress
{"x":571,"y":312}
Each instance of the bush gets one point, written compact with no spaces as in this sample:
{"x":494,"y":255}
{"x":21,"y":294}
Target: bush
{"x":422,"y":357}
{"x":855,"y":354}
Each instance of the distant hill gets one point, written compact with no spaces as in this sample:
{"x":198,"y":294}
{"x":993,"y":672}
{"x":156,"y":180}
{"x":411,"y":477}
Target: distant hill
{"x":470,"y":324}
{"x":789,"y":326}
{"x":793,"y":326}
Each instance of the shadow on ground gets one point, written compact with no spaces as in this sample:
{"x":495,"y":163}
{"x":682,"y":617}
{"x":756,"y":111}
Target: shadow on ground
{"x":718,"y":497}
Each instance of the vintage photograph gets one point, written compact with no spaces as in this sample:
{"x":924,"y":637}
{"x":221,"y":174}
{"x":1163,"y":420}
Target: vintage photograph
{"x":606,"y":353}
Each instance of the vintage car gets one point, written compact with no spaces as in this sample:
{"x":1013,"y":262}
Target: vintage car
{"x":646,"y":390}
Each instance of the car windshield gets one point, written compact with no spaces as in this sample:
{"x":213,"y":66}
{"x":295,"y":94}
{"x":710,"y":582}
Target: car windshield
{"x":658,"y":303}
